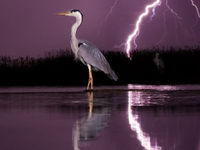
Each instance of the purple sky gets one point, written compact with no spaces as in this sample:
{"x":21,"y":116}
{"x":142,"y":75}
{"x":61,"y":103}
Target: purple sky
{"x":30,"y":27}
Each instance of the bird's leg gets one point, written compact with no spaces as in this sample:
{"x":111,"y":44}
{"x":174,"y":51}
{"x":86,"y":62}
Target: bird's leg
{"x":88,"y":83}
{"x":90,"y":80}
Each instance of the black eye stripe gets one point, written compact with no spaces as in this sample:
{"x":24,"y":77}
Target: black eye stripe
{"x":75,"y":10}
{"x":79,"y":44}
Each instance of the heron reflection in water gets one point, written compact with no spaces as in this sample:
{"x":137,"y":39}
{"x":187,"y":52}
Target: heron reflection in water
{"x":90,"y":126}
{"x":87,"y":52}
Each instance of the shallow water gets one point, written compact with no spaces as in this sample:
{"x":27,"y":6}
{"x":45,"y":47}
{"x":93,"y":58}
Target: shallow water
{"x":139,"y":117}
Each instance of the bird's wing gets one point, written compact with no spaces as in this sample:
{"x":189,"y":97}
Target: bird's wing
{"x":90,"y":54}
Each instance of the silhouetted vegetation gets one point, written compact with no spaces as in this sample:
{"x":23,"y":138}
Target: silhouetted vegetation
{"x":181,"y":66}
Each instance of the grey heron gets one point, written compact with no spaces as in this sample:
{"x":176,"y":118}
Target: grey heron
{"x":87,"y":52}
{"x":159,"y":63}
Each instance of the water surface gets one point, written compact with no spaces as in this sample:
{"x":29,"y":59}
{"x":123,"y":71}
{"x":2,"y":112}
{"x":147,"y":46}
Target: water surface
{"x":139,"y":117}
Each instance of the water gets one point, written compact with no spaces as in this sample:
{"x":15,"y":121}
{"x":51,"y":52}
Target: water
{"x":132,"y":117}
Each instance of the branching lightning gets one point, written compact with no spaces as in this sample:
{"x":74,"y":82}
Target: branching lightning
{"x":153,"y":12}
{"x":133,"y":36}
{"x":195,"y":6}
{"x":111,"y":9}
{"x":172,"y":11}
{"x":136,"y":31}
{"x":108,"y":14}
{"x":177,"y":18}
{"x":152,"y":7}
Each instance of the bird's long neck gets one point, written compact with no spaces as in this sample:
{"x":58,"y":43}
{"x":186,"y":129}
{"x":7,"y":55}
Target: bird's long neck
{"x":74,"y":40}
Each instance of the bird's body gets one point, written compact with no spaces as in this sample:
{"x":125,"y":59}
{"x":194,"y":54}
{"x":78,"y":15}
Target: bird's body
{"x":90,"y":55}
{"x":87,"y":52}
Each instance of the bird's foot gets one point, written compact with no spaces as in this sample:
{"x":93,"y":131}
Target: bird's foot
{"x":89,"y":89}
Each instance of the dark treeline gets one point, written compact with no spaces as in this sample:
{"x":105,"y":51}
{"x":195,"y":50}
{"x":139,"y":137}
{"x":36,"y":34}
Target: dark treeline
{"x":172,"y":66}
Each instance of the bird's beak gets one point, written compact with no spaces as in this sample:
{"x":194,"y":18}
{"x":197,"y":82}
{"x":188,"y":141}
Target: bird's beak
{"x":64,"y":13}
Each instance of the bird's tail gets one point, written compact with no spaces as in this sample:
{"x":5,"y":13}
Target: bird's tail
{"x":111,"y":74}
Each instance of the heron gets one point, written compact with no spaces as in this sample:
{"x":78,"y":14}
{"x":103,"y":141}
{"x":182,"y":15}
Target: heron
{"x":159,"y":63}
{"x":86,"y":51}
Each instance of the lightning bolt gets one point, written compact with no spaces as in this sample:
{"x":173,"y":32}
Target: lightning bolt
{"x":195,"y":6}
{"x":108,"y":14}
{"x":177,"y":20}
{"x":172,"y":11}
{"x":152,"y":7}
{"x":136,"y":31}
{"x":153,"y":12}
{"x":111,"y":9}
